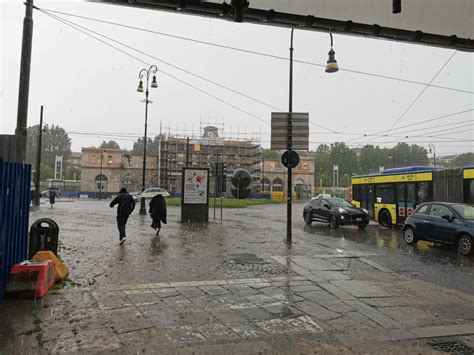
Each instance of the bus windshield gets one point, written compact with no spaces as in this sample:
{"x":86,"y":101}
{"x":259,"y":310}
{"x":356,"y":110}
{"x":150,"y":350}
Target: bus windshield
{"x":466,"y":211}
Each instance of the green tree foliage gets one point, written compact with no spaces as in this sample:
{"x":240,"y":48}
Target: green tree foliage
{"x":366,"y":160}
{"x":269,"y":154}
{"x":151,"y":146}
{"x":110,"y":144}
{"x":463,"y":160}
{"x":55,"y":142}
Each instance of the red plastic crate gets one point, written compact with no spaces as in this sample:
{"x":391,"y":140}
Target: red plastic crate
{"x":31,"y":278}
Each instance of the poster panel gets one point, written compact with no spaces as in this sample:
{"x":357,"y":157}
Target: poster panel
{"x":195,"y":186}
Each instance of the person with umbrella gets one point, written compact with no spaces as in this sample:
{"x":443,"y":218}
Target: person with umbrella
{"x":158,"y":210}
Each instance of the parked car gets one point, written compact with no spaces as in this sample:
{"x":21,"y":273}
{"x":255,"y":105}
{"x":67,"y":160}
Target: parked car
{"x":335,"y":211}
{"x":134,"y":195}
{"x":442,"y":222}
{"x":152,"y":192}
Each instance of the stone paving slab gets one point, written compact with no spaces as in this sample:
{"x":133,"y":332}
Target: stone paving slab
{"x":359,"y":288}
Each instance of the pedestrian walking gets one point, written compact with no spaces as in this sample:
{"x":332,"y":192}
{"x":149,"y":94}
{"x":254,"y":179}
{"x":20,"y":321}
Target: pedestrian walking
{"x":126,"y":205}
{"x":157,"y":212}
{"x":52,"y":197}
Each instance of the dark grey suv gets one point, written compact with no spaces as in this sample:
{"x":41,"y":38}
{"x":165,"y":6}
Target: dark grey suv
{"x":442,"y":222}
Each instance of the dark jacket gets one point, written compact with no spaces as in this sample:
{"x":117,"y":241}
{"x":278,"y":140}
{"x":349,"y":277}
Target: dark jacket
{"x":158,"y":208}
{"x":126,"y":204}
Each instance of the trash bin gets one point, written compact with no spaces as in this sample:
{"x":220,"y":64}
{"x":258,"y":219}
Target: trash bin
{"x":44,"y":234}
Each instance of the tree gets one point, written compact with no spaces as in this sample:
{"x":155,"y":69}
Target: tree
{"x":346,"y":160}
{"x":463,"y":160}
{"x":110,"y":144}
{"x":151,"y":146}
{"x":372,"y":158}
{"x":269,"y":154}
{"x":55,"y":142}
{"x":322,"y":165}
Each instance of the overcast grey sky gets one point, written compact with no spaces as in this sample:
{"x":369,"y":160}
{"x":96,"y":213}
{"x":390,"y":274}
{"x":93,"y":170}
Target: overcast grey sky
{"x":89,"y":88}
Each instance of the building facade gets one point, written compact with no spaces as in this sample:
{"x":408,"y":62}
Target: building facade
{"x":107,"y":170}
{"x":274,"y":178}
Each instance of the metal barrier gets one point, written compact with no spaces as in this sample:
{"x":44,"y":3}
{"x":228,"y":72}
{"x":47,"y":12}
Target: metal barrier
{"x":15,"y":180}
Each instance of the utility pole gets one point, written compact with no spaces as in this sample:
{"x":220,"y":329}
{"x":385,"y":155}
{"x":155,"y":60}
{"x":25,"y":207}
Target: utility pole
{"x":187,"y":151}
{"x":38,"y":161}
{"x":24,"y":87}
{"x":100,"y":175}
{"x":289,"y":235}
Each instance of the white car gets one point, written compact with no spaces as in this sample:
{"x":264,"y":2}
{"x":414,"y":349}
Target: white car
{"x":152,"y":192}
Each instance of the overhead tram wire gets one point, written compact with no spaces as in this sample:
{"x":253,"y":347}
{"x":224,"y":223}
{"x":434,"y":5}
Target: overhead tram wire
{"x":420,"y":94}
{"x":253,"y":52}
{"x":378,"y":133}
{"x":58,"y":18}
{"x":423,"y":91}
{"x":74,"y":26}
{"x":160,"y":70}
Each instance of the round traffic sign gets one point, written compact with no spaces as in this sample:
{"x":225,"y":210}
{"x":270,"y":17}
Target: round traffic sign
{"x":290,"y":160}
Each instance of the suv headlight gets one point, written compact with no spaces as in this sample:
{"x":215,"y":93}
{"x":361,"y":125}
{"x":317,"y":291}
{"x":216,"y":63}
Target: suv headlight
{"x":365,"y":211}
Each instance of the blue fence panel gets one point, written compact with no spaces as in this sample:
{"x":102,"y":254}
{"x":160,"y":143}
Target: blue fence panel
{"x":15,"y":180}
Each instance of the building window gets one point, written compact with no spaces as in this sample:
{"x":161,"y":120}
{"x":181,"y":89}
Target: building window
{"x":93,"y":159}
{"x":277,"y":185}
{"x":110,"y":159}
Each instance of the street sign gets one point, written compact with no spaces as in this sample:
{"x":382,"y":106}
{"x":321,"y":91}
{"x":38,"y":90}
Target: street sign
{"x":300,"y":130}
{"x":221,"y":175}
{"x":290,"y":160}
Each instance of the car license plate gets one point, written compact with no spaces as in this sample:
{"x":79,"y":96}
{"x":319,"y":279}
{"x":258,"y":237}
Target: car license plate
{"x":358,"y":219}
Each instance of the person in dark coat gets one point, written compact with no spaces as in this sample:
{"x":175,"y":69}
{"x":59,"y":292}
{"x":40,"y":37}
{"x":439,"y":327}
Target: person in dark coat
{"x":157,"y":212}
{"x":126,"y":205}
{"x":52,"y":197}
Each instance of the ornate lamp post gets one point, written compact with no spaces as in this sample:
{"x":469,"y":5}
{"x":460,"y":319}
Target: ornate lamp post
{"x":146,"y":73}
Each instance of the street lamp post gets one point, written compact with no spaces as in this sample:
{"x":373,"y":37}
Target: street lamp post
{"x":331,"y":67}
{"x":434,"y":153}
{"x":146,"y":73}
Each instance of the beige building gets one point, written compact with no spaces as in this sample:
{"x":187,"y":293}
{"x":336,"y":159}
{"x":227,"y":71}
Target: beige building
{"x":275,"y":176}
{"x":108,"y":170}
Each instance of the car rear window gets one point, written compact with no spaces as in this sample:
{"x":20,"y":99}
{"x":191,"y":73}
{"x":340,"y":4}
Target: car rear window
{"x":422,"y":209}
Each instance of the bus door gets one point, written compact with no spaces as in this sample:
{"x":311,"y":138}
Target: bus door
{"x":405,"y":200}
{"x":401,"y":203}
{"x":363,"y":196}
{"x":371,"y":200}
{"x":410,"y":198}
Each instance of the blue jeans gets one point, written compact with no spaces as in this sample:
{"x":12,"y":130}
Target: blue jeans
{"x":121,"y":222}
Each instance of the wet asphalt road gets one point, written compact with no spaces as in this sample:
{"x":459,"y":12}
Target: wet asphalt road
{"x":89,"y":240}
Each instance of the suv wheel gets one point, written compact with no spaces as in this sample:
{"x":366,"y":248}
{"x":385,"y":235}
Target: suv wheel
{"x":409,"y":235}
{"x":333,"y":224}
{"x":464,"y":245}
{"x":307,"y":218}
{"x":385,"y":219}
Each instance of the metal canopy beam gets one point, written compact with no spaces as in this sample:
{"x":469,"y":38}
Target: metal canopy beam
{"x":312,"y":23}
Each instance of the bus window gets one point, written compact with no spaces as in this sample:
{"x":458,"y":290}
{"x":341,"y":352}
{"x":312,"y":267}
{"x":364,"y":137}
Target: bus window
{"x":363,"y":196}
{"x":356,"y":192}
{"x":384,"y":193}
{"x":423,"y":193}
{"x":469,"y":191}
{"x":370,"y":200}
{"x":410,"y":200}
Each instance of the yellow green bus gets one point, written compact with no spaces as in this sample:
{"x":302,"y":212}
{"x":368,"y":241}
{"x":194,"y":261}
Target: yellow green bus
{"x":393,"y":194}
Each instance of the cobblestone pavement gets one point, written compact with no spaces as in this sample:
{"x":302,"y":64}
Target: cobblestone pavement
{"x":235,"y":287}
